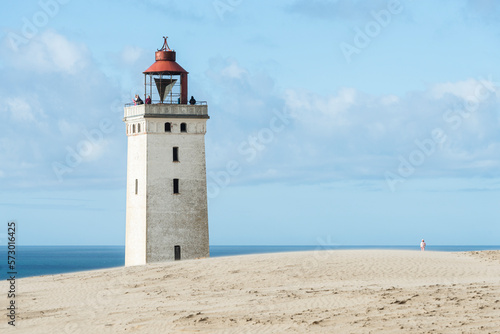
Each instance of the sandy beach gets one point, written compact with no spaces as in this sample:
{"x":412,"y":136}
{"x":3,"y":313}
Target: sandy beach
{"x":380,"y":291}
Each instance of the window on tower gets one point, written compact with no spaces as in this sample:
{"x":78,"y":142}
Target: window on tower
{"x":177,"y":253}
{"x":139,"y":128}
{"x":183,"y":127}
{"x":176,"y":186}
{"x":136,"y":186}
{"x":175,"y":154}
{"x":133,"y":128}
{"x":168,"y":127}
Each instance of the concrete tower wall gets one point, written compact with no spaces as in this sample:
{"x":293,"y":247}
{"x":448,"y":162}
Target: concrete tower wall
{"x":177,"y":219}
{"x":157,"y":218}
{"x":135,"y":243}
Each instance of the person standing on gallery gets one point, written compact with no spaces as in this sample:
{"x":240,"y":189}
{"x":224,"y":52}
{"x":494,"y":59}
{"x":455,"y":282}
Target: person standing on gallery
{"x":137,"y":100}
{"x":422,"y":245}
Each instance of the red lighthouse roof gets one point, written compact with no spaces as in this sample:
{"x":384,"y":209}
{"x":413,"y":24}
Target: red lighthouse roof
{"x":165,"y":62}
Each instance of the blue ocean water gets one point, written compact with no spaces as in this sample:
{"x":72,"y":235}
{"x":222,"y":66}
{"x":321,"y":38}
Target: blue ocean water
{"x":47,"y":260}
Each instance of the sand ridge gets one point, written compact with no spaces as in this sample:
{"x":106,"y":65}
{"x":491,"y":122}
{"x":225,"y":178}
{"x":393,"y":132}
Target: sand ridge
{"x":351,"y":291}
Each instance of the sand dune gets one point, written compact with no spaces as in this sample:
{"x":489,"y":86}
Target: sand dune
{"x":380,"y":291}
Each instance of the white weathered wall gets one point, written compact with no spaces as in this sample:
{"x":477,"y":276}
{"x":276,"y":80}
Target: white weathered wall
{"x":135,"y":249}
{"x":177,"y":219}
{"x":162,"y":220}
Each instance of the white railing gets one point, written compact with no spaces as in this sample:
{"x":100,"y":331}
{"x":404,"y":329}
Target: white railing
{"x":166,"y":109}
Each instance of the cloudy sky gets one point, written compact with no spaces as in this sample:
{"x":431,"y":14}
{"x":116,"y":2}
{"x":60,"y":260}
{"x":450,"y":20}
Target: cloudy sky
{"x":342,"y":122}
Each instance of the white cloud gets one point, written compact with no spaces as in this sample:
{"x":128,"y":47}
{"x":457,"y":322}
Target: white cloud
{"x":321,"y":113}
{"x":50,"y":52}
{"x":375,"y":135}
{"x":20,"y":110}
{"x":466,"y":90}
{"x":389,"y":99}
{"x":233,"y":70}
{"x":52,"y":90}
{"x":94,"y":150}
{"x":26,"y":112}
{"x":66,"y":128}
{"x":352,"y":135}
{"x":131,"y":54}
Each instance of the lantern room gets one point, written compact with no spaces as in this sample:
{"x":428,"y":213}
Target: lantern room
{"x":166,"y":81}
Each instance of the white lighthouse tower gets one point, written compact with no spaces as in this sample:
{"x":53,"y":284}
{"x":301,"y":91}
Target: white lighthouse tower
{"x":167,"y":216}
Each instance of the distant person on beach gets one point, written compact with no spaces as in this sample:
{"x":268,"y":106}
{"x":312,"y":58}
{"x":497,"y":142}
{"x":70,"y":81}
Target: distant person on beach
{"x":422,"y":245}
{"x":192,"y":101}
{"x":137,"y":100}
{"x":148,"y":100}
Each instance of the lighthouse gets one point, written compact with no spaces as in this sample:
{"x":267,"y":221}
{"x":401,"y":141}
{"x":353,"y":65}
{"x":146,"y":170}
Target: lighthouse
{"x":166,"y":214}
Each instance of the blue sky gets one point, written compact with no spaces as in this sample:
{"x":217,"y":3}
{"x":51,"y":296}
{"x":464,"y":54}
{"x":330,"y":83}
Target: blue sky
{"x":332,"y":122}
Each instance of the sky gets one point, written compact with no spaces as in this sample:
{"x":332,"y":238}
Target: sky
{"x":333,"y":122}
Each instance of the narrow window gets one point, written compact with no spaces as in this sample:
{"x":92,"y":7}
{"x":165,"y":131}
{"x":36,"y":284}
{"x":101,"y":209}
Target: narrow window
{"x":177,"y":253}
{"x":139,"y":128}
{"x":183,"y":127}
{"x":176,"y":186}
{"x":176,"y":154}
{"x":168,"y":127}
{"x":136,"y":186}
{"x":133,"y":128}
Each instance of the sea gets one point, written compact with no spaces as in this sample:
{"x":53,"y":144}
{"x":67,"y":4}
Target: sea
{"x":49,"y":260}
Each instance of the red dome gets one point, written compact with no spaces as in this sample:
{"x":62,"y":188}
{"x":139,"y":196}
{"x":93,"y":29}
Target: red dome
{"x":165,"y":64}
